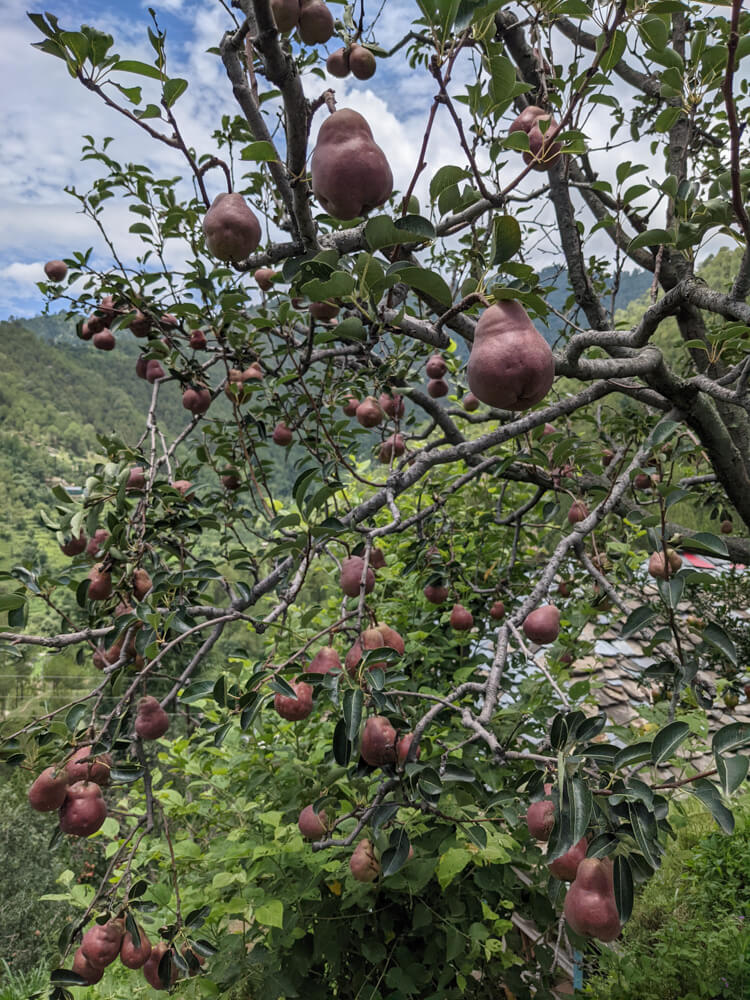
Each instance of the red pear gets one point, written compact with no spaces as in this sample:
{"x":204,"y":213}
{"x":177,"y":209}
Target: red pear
{"x":511,"y":365}
{"x":48,"y":791}
{"x":84,"y":810}
{"x":324,"y":661}
{"x":590,"y":906}
{"x":378,"y":746}
{"x":56,"y":270}
{"x":351,"y":576}
{"x":231,"y":228}
{"x":151,"y":721}
{"x":363,"y":864}
{"x":566,"y":866}
{"x":540,"y":818}
{"x":542,"y":625}
{"x":312,"y":825}
{"x":295,"y":709}
{"x":132,"y":957}
{"x":461,"y":618}
{"x":350,"y":174}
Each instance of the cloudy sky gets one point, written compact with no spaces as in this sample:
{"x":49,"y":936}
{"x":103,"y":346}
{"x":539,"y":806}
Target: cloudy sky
{"x":45,"y":113}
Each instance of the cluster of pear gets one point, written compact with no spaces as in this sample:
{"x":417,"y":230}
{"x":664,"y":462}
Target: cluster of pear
{"x":103,"y":943}
{"x":75,"y":790}
{"x":542,"y":153}
{"x":312,"y":19}
{"x":590,"y":907}
{"x":435,"y":370}
{"x":354,"y":59}
{"x":299,"y":706}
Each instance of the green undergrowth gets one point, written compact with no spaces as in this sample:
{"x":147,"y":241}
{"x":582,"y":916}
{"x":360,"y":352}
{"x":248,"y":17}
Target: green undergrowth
{"x":689,"y":935}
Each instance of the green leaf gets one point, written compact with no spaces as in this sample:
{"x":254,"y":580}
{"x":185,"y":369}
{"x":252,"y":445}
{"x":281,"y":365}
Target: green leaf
{"x":429,"y":282}
{"x":623,"y":880}
{"x":705,"y":542}
{"x":731,"y":737}
{"x":602,"y":845}
{"x":66,"y":977}
{"x":452,"y":772}
{"x":633,"y":754}
{"x":10,"y":602}
{"x":645,"y":832}
{"x":651,"y":238}
{"x":353,"y":701}
{"x":614,"y":52}
{"x":396,"y":854}
{"x":638,"y":619}
{"x":141,"y":68}
{"x":506,"y":239}
{"x":664,"y":430}
{"x":667,"y":740}
{"x":173,"y":90}
{"x":709,"y":796}
{"x":271,"y":914}
{"x":580,"y":806}
{"x":342,"y":747}
{"x":451,"y":863}
{"x":654,"y":32}
{"x":718,"y":638}
{"x":339,"y":284}
{"x":732,"y":772}
{"x":446,"y":176}
{"x":416,"y":226}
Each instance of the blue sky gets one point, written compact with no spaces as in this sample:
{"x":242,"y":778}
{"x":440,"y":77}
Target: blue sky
{"x":45,"y":113}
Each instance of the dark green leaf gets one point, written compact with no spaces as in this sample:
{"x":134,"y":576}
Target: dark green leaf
{"x":396,"y":854}
{"x":352,"y":704}
{"x":667,"y":740}
{"x":731,"y":737}
{"x":710,"y":797}
{"x":580,"y":805}
{"x":623,"y":879}
{"x":506,"y":239}
{"x":651,"y":238}
{"x":718,"y":638}
{"x":342,"y":747}
{"x":429,"y":282}
{"x":602,"y":845}
{"x":195,"y":918}
{"x":633,"y":754}
{"x":66,"y":977}
{"x":732,"y":772}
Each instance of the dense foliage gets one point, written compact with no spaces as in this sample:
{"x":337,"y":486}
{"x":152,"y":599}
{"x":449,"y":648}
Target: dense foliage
{"x":395,"y":527}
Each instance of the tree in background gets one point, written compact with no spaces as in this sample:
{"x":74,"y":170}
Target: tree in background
{"x":341,"y":807}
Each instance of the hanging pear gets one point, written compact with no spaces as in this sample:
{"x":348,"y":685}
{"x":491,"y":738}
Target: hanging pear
{"x":511,"y":364}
